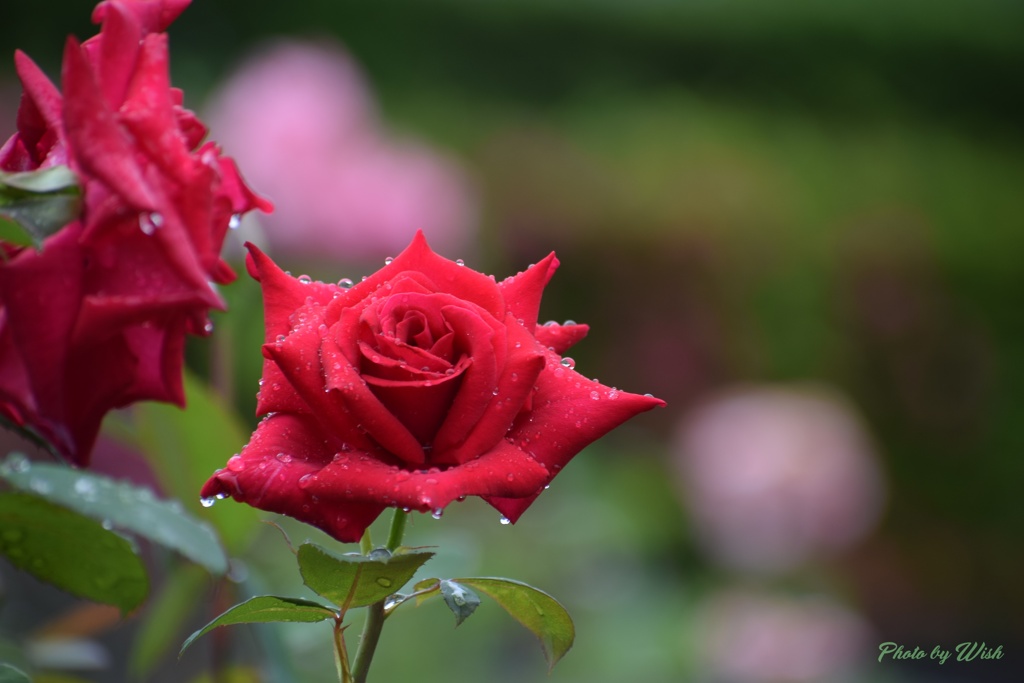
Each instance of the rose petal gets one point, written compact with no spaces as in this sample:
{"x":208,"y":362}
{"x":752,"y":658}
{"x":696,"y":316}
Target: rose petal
{"x":522,"y":292}
{"x":560,"y":338}
{"x":446,"y":276}
{"x":566,"y":418}
{"x":346,"y":392}
{"x":118,"y":46}
{"x":152,"y":15}
{"x":43,"y":97}
{"x":503,"y":471}
{"x":282,"y":293}
{"x":479,"y":417}
{"x":99,"y":145}
{"x":267,"y":474}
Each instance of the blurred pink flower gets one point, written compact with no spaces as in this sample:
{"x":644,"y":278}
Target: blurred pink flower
{"x":302,"y":122}
{"x":748,"y":637}
{"x":775,"y":477}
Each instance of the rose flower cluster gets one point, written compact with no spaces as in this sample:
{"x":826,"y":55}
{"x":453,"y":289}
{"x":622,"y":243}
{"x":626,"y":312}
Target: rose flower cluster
{"x":422,"y":384}
{"x":97,"y":318}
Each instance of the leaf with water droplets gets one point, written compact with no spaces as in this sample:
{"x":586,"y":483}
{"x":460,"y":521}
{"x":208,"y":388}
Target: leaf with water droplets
{"x":357,"y":580}
{"x":70,"y":551}
{"x":263,"y":609}
{"x":121,"y":505}
{"x":460,"y":600}
{"x":534,"y":609}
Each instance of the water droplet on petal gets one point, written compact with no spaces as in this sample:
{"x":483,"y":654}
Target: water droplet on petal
{"x":594,"y":395}
{"x":459,"y":262}
{"x":388,"y":260}
{"x":345,"y":283}
{"x":284,"y":457}
{"x":207,"y":502}
{"x":568,"y":362}
{"x":235,"y":463}
{"x":436,"y":514}
{"x":305,"y":279}
{"x":235,"y":221}
{"x":505,"y":521}
{"x":569,"y":322}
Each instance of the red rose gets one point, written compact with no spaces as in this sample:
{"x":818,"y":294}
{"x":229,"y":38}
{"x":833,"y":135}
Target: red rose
{"x":424,"y":383}
{"x":97,"y":319}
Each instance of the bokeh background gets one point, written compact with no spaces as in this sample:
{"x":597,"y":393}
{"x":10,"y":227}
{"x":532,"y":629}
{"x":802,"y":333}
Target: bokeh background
{"x":798,"y":222}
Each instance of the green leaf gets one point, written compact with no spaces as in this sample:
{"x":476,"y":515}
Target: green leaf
{"x":53,"y":179}
{"x":357,"y":580}
{"x":426,"y":589}
{"x":70,"y":551}
{"x":460,"y":600}
{"x":534,"y":609}
{"x":119,"y":504}
{"x":36,"y":204}
{"x":11,"y":674}
{"x":263,"y":609}
{"x":165,"y":615}
{"x":35,"y":217}
{"x":186,"y":446}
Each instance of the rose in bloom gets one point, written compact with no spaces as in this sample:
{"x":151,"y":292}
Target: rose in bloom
{"x":97,"y":319}
{"x":420,"y":385}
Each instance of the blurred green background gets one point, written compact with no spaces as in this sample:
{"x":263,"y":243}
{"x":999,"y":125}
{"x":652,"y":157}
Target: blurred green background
{"x":741,"y":193}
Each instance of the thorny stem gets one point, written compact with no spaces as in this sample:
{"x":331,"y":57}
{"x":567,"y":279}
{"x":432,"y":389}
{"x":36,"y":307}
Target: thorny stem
{"x":340,"y":654}
{"x":375,"y":614}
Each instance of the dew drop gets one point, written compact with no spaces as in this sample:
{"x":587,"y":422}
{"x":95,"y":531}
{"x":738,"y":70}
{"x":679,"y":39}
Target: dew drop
{"x":85,"y":487}
{"x":594,"y":395}
{"x":388,"y":260}
{"x":306,"y":480}
{"x":569,"y":322}
{"x":208,"y":327}
{"x":345,"y":283}
{"x":280,"y":339}
{"x":235,"y":221}
{"x":235,"y":463}
{"x":436,"y":514}
{"x":459,"y":262}
{"x":284,"y":457}
{"x":505,"y":521}
{"x":207,"y":502}
{"x":384,"y":582}
{"x":305,"y":279}
{"x":568,"y":363}
{"x":17,"y":462}
{"x":149,"y":222}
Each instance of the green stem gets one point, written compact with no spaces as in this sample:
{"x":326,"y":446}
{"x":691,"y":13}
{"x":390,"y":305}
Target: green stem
{"x":340,"y":654}
{"x":375,"y":614}
{"x":397,"y":529}
{"x":366,"y":542}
